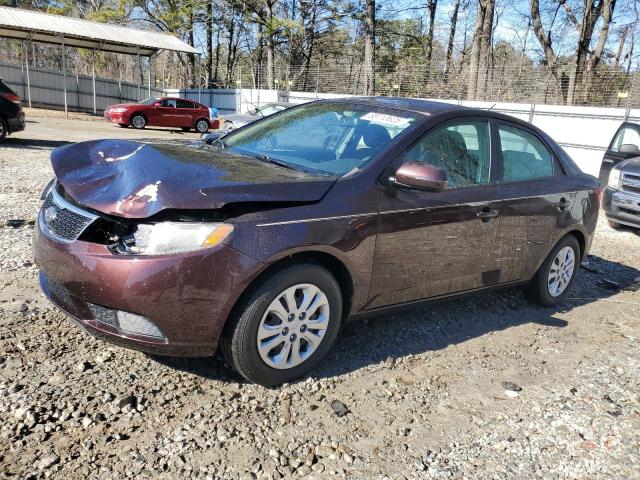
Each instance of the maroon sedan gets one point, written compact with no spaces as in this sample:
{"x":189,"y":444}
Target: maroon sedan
{"x":265,"y":242}
{"x":162,"y":112}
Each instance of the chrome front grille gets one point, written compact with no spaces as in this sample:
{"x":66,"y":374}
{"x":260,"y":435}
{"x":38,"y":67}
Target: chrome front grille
{"x":61,"y":220}
{"x":630,"y":183}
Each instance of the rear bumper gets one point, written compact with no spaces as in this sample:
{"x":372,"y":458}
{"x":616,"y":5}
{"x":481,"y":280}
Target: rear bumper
{"x":187,"y":297}
{"x":622,"y":207}
{"x":16,"y":124}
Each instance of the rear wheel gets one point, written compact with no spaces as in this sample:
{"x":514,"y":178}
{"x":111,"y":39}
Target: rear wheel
{"x":286,"y":326}
{"x":4,"y":130}
{"x":138,"y":121}
{"x":556,"y":275}
{"x":202,"y":126}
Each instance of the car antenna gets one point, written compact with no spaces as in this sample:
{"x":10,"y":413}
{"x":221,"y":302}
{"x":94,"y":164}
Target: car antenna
{"x":491,"y":107}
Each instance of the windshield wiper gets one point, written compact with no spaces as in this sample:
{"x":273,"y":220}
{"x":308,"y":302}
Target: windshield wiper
{"x":265,"y":158}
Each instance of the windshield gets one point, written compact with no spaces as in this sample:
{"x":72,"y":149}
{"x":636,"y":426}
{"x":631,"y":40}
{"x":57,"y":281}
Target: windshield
{"x":149,"y":101}
{"x":333,"y":139}
{"x":267,"y":110}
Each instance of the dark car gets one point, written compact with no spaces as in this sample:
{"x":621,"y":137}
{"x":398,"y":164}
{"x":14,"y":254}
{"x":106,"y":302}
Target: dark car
{"x":163,"y":112}
{"x":11,"y":113}
{"x":265,"y":242}
{"x":620,"y":173}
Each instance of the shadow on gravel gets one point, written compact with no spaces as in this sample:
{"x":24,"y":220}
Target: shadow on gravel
{"x":34,"y":144}
{"x":434,"y":326}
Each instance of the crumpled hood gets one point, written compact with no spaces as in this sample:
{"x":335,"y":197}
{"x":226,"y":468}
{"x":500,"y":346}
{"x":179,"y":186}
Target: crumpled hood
{"x":138,"y":179}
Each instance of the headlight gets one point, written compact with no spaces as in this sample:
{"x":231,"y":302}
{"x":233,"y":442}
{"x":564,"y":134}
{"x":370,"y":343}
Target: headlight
{"x":174,"y":237}
{"x":117,"y":110}
{"x":614,"y":179}
{"x":46,"y":190}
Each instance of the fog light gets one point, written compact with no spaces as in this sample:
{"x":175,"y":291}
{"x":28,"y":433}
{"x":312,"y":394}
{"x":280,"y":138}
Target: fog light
{"x":137,"y":325}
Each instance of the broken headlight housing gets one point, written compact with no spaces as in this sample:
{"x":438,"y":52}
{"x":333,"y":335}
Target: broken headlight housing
{"x":173,"y":237}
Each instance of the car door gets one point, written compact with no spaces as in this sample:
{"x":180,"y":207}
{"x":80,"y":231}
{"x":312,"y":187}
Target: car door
{"x":167,"y":113}
{"x":185,"y":110}
{"x":536,"y":201}
{"x":625,"y":144}
{"x":435,"y":243}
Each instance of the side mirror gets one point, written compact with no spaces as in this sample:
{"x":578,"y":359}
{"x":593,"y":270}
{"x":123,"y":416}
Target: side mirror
{"x":422,"y":176}
{"x":629,"y":148}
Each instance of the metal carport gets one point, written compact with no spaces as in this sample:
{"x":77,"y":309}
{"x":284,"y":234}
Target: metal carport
{"x":42,"y":27}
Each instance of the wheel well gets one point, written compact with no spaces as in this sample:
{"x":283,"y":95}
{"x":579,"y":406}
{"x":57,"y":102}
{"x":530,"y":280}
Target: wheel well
{"x":326,"y":260}
{"x":202,"y":118}
{"x":138,"y":113}
{"x":582,"y":241}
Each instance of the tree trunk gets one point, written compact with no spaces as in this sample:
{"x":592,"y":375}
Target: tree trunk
{"x":192,"y":56}
{"x":217,"y":62}
{"x":271,"y":45}
{"x":432,"y":5}
{"x":452,"y":36}
{"x":481,"y":49}
{"x":209,"y":43}
{"x":369,"y":47}
{"x":623,"y":39}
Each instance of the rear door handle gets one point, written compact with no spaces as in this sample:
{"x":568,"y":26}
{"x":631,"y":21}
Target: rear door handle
{"x":487,"y":214}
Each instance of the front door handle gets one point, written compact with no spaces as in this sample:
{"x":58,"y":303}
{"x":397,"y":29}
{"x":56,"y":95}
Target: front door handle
{"x":563,"y":204}
{"x":487,"y":214}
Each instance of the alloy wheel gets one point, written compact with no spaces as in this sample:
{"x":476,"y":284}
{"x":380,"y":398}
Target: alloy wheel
{"x":202,"y":126}
{"x":293,"y":326}
{"x":138,"y":121}
{"x":561,"y":271}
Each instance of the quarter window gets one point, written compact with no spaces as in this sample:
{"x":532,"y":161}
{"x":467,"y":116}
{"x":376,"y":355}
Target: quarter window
{"x":626,"y":136}
{"x":461,"y":149}
{"x":524,"y":157}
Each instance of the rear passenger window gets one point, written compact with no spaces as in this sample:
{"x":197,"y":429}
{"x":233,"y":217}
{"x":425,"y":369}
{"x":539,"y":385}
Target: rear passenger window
{"x":524,"y":157}
{"x":185,"y":104}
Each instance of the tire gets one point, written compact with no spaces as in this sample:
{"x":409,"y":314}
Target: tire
{"x":4,"y":129}
{"x":614,"y":225}
{"x":540,"y":289}
{"x":202,"y":126}
{"x":123,"y":125}
{"x":240,"y":337}
{"x":138,"y":121}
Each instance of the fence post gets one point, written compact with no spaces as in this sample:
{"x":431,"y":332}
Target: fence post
{"x":149,"y":73}
{"x":532,"y":112}
{"x":93,"y":81}
{"x":64,"y":77}
{"x":78,"y":106}
{"x":26,"y":62}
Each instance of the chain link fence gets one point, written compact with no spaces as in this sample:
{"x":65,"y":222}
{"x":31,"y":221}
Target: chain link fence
{"x":605,"y":87}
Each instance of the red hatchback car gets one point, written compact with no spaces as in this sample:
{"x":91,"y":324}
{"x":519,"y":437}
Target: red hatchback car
{"x":162,"y":112}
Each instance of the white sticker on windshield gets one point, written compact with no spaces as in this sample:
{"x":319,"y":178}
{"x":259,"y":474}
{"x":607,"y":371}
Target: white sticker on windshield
{"x":386,"y":119}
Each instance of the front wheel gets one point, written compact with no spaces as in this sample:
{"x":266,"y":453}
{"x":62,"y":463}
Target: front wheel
{"x":554,"y":279}
{"x":202,"y":126}
{"x":138,"y":121}
{"x":286,"y":326}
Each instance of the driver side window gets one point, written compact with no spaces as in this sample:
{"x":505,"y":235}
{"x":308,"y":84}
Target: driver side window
{"x":460,"y":148}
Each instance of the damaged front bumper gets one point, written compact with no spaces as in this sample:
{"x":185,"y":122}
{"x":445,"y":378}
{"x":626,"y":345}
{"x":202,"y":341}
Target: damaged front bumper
{"x":167,"y":304}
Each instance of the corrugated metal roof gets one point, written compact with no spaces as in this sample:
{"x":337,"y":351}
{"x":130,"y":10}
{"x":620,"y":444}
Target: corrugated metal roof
{"x":49,"y":28}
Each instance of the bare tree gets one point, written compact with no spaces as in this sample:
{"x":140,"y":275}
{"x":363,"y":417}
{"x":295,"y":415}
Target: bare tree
{"x":481,"y":49}
{"x":432,"y":5}
{"x":452,"y":36}
{"x":369,"y":46}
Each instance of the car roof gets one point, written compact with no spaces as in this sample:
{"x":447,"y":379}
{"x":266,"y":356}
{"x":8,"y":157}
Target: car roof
{"x":426,"y":107}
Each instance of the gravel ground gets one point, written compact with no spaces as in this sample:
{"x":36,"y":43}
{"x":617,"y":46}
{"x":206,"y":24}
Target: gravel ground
{"x":486,"y":387}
